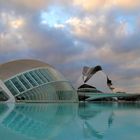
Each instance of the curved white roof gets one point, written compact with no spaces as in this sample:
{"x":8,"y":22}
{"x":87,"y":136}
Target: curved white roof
{"x":12,"y":68}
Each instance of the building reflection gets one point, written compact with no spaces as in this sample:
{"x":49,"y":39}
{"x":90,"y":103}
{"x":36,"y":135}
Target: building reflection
{"x":87,"y":112}
{"x":38,"y":121}
{"x":100,"y":114}
{"x":60,"y":121}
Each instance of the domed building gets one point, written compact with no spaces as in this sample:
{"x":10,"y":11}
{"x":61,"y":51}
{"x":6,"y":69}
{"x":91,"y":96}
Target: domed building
{"x":34,"y":81}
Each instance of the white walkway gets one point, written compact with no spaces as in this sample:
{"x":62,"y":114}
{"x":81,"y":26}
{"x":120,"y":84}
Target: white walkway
{"x":93,"y":96}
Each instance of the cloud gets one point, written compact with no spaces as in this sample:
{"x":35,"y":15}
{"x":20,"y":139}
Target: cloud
{"x":105,"y":4}
{"x":89,"y":4}
{"x":31,"y":4}
{"x":89,"y":33}
{"x":128,"y":4}
{"x":10,"y":35}
{"x":108,"y":42}
{"x":80,"y":26}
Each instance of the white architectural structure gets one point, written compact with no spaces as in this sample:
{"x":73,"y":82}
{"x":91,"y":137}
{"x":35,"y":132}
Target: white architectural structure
{"x":34,"y":81}
{"x":94,"y":77}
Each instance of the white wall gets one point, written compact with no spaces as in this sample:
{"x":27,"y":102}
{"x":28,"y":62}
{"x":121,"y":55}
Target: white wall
{"x":99,"y":80}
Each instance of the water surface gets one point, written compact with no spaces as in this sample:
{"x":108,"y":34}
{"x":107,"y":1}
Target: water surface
{"x":66,"y":121}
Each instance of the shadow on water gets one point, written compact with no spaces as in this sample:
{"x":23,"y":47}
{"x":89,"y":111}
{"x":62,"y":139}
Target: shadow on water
{"x":61,"y":121}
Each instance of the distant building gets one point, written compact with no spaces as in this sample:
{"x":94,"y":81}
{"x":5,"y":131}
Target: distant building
{"x":93,"y":79}
{"x":96,"y":86}
{"x":33,"y":81}
{"x":88,"y":88}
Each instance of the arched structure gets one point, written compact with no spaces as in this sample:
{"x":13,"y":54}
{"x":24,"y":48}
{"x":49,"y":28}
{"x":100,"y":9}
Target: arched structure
{"x":34,"y":81}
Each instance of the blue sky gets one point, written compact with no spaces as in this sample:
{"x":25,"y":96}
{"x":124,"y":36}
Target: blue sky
{"x":54,"y":15}
{"x":71,"y":34}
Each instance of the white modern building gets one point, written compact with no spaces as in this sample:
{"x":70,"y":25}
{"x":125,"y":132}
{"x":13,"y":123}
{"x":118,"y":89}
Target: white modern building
{"x":34,"y":81}
{"x":95,"y":85}
{"x":93,"y":79}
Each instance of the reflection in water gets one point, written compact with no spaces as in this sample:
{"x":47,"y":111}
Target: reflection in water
{"x":90,"y":112}
{"x":39,"y":121}
{"x":110,"y":119}
{"x":87,"y":112}
{"x":62,"y":121}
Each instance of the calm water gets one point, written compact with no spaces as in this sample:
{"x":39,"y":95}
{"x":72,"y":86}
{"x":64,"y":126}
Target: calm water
{"x":70,"y":121}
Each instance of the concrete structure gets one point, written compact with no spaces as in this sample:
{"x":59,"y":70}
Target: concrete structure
{"x":33,"y":81}
{"x":90,"y":96}
{"x":97,"y":86}
{"x":95,"y":77}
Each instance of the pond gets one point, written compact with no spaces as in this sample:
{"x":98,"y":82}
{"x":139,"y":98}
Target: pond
{"x":70,"y":121}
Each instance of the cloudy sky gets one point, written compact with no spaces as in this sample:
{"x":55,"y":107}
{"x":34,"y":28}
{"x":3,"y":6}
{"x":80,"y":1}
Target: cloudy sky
{"x":69,"y":34}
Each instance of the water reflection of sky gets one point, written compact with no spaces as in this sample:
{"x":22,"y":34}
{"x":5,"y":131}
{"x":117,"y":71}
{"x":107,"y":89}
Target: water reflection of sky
{"x":69,"y":121}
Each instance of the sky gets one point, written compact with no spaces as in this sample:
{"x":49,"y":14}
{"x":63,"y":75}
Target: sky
{"x":70,"y":34}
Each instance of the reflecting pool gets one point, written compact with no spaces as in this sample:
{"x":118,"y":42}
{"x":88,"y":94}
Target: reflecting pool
{"x":67,"y":121}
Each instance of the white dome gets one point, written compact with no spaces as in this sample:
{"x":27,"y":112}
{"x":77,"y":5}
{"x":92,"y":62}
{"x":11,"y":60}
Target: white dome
{"x":12,"y":68}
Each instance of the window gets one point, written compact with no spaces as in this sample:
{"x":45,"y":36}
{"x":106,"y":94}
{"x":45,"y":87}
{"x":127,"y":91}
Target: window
{"x":30,"y":79}
{"x":41,"y":76}
{"x":2,"y":96}
{"x":24,"y":82}
{"x":35,"y":78}
{"x":49,"y":75}
{"x":45,"y":75}
{"x":17,"y":84}
{"x":11,"y":88}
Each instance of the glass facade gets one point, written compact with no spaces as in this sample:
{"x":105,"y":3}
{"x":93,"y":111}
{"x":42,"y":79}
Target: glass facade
{"x":44,"y":84}
{"x":49,"y":93}
{"x":3,"y":96}
{"x":11,"y":87}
